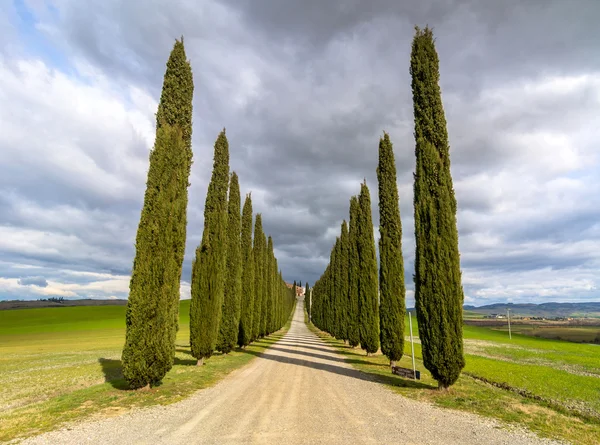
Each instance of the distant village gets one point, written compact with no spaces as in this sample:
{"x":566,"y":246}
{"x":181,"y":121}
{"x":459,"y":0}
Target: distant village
{"x":299,"y":288}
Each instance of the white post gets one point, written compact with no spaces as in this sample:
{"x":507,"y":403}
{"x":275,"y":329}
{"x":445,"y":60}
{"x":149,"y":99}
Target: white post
{"x":412,"y":346}
{"x":508,"y":316}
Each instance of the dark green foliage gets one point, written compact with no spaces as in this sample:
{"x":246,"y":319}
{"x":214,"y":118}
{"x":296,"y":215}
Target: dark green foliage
{"x":367,"y":283}
{"x":248,"y":284}
{"x":353,"y":319}
{"x":438,"y":289}
{"x":335,"y":294}
{"x":270,"y":278}
{"x":175,"y":106}
{"x":258,"y":253}
{"x":307,"y":298}
{"x":342,"y":285}
{"x":392,"y":306}
{"x":264,"y":288}
{"x":208,"y":269}
{"x":230,"y":318}
{"x":152,"y":318}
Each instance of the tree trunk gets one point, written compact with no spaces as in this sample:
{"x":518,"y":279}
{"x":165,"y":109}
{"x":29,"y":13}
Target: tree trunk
{"x":392,"y":363}
{"x":442,"y":387}
{"x":200,"y":361}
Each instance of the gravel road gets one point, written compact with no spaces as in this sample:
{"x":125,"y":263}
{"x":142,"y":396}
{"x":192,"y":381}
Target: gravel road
{"x":300,"y":391}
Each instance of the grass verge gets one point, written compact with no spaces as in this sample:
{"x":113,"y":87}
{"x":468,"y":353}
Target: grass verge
{"x":476,"y":395}
{"x":48,"y":379}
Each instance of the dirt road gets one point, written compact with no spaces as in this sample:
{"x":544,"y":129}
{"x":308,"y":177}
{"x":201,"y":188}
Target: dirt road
{"x":299,"y":392}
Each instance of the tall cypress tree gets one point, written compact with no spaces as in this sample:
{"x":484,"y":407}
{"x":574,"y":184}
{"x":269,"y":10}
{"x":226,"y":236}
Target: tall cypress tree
{"x":248,"y":285}
{"x":438,"y":289}
{"x":208,"y":269}
{"x":264,"y":288}
{"x":343,"y":281}
{"x":230,"y":318}
{"x":270,"y":262}
{"x":335,"y":289}
{"x":392,"y":306}
{"x":307,"y":298}
{"x":367,"y":284}
{"x":152,"y":313}
{"x":257,"y":252}
{"x":353,"y":275}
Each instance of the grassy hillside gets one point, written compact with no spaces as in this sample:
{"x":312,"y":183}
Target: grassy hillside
{"x":60,"y":364}
{"x":588,"y":309}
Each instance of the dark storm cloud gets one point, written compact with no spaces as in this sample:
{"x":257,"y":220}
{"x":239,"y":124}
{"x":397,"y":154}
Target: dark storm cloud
{"x":305,"y":90}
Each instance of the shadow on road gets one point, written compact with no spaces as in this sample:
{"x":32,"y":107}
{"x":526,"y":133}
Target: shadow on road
{"x":348,"y":372}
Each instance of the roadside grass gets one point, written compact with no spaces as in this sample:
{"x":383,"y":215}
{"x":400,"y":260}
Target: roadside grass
{"x":549,"y":401}
{"x":68,"y":368}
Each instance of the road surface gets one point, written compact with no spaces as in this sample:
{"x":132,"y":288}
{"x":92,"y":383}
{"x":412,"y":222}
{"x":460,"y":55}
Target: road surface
{"x":300,"y":391}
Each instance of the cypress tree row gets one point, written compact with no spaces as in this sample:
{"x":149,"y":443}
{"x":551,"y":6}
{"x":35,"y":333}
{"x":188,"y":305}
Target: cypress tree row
{"x":247,"y":297}
{"x":392,"y":307}
{"x":367,"y":283}
{"x":257,"y":252}
{"x":353,"y":275}
{"x":264,"y":288}
{"x":230,"y":318}
{"x":152,"y":313}
{"x":438,"y":289}
{"x":208,"y":269}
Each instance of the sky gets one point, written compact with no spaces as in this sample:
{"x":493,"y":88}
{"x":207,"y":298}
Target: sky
{"x":304,"y":89}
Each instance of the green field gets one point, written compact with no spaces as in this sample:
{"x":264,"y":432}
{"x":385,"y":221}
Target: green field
{"x":576,"y":334}
{"x":550,"y":386}
{"x":60,"y":364}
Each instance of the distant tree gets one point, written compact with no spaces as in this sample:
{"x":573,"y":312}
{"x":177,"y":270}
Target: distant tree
{"x":392,"y":307}
{"x":208,"y":269}
{"x":353,"y":318}
{"x":367,"y":284}
{"x":258,"y":253}
{"x":438,"y":289}
{"x":152,"y":313}
{"x":231,"y":310}
{"x":248,"y":284}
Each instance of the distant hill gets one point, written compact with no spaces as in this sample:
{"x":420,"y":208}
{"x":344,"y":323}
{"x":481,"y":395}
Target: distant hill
{"x":24,"y":304}
{"x":589,"y":309}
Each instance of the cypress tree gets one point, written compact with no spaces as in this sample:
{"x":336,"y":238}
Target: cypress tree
{"x":367,"y":284}
{"x":270,"y":278}
{"x":230,"y":318}
{"x":392,"y":307}
{"x":264,"y":287}
{"x":248,"y":286}
{"x":152,"y":313}
{"x":307,"y":299}
{"x":208,"y":269}
{"x":335,"y":289}
{"x":343,"y":287}
{"x":353,"y":275}
{"x":257,"y":252}
{"x":438,"y":289}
